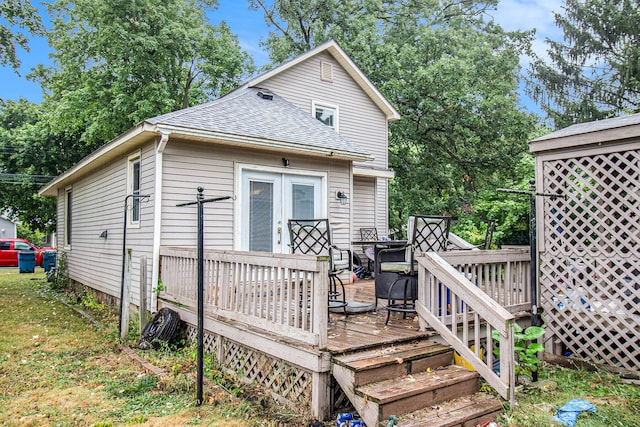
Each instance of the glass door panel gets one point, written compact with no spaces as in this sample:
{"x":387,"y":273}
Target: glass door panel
{"x":269,"y":200}
{"x":261,"y":216}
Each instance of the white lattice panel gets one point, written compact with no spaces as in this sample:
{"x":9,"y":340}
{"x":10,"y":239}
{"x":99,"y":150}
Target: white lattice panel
{"x":590,"y":264}
{"x":290,"y":383}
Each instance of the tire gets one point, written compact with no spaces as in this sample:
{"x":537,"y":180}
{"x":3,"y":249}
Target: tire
{"x":160,"y":328}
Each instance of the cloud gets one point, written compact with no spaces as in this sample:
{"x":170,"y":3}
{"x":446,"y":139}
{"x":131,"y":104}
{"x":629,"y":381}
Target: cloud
{"x":526,"y":15}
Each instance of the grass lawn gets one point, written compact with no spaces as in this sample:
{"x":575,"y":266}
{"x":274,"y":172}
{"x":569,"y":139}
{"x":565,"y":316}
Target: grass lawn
{"x":59,"y":369}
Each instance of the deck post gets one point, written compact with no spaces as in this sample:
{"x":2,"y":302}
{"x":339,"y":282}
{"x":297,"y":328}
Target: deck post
{"x":320,"y":394}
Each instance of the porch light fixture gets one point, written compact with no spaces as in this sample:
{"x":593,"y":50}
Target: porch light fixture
{"x":103,"y":235}
{"x":340,"y":195}
{"x":285,"y":162}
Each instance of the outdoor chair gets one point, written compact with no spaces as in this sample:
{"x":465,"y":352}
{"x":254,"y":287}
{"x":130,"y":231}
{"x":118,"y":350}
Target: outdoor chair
{"x":426,"y":234}
{"x":369,"y":235}
{"x":313,"y":237}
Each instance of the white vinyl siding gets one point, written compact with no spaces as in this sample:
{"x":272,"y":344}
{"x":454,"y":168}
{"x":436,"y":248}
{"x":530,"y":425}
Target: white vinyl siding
{"x":189,"y":165}
{"x":98,"y":205}
{"x":360,"y":119}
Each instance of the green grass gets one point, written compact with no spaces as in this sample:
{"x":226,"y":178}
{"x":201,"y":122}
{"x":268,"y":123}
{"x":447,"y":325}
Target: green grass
{"x":617,"y":403}
{"x":58,"y":368}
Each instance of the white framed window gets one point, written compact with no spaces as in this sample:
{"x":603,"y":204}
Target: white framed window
{"x":68,"y":210}
{"x":326,"y":113}
{"x":133,"y":188}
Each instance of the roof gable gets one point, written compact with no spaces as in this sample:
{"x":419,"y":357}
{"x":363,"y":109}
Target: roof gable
{"x":332,"y":48}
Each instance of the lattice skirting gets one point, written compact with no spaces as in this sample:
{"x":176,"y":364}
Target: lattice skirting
{"x":590,"y":265}
{"x":288,"y":384}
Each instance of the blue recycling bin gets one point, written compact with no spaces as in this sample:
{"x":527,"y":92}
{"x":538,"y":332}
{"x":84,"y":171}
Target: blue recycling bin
{"x":27,"y":261}
{"x":48,"y":260}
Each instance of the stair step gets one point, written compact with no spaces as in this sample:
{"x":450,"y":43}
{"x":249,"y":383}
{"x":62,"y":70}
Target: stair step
{"x":402,"y":395}
{"x":467,"y":411}
{"x":393,"y":361}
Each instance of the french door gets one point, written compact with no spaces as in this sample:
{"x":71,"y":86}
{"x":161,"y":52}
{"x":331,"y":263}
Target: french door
{"x":269,"y":200}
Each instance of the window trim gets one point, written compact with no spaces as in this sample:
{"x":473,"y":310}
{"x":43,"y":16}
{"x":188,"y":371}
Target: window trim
{"x":334,"y":107}
{"x":131,"y":161}
{"x":68,"y":218}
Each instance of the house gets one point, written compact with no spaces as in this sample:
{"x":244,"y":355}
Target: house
{"x":8,"y":228}
{"x":283,"y":145}
{"x":306,"y":139}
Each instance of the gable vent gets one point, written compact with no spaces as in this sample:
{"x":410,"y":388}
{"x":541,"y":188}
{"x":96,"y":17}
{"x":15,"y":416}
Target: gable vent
{"x":326,"y":71}
{"x":265,"y":94}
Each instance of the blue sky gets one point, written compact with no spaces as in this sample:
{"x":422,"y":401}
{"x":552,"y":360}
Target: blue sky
{"x":250,"y":28}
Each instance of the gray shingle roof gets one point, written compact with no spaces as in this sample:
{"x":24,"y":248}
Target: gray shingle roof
{"x":594,"y":126}
{"x":242,"y":113}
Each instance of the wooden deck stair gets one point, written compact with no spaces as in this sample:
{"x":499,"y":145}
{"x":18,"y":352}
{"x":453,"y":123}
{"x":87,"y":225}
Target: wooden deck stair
{"x":416,"y":382}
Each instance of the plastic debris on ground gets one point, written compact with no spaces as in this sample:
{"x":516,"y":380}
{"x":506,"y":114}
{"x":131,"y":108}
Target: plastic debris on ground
{"x":568,"y":413}
{"x":347,"y":419}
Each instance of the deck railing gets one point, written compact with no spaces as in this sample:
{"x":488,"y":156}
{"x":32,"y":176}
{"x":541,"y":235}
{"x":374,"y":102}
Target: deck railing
{"x":278,"y":293}
{"x":504,"y":275}
{"x":452,"y":300}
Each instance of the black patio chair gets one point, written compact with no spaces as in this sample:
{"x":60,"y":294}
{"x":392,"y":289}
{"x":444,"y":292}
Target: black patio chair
{"x":369,"y":234}
{"x":426,"y":234}
{"x":313,"y":237}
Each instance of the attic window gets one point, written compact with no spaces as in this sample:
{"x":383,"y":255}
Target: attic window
{"x":326,"y":71}
{"x":327,"y":114}
{"x":265,"y":94}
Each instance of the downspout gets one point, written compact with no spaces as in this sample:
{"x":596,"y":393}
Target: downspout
{"x":157,"y":223}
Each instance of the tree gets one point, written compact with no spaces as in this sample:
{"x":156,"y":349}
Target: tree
{"x":20,"y":14}
{"x":452,"y":76}
{"x":30,"y":155}
{"x":118,"y":62}
{"x":594,"y":72}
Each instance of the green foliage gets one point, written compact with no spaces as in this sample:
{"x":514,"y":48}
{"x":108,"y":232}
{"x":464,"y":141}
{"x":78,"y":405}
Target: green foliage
{"x":510,"y":211}
{"x":118,"y":62}
{"x":594,"y":72}
{"x":115,"y":64}
{"x":62,"y":272}
{"x":14,"y":15}
{"x":34,"y":236}
{"x":525,"y":347}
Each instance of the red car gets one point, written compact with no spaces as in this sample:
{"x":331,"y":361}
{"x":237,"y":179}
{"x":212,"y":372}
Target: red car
{"x":9,"y":249}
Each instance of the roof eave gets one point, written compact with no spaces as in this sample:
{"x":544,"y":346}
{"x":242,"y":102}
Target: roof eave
{"x":261,"y":143}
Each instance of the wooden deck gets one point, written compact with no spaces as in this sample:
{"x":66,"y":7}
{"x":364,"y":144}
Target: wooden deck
{"x":365,"y":330}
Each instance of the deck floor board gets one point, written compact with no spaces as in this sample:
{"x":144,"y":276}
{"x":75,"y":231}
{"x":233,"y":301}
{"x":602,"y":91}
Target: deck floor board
{"x":353,"y":332}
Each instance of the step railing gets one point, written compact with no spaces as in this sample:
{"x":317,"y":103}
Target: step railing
{"x":504,"y":275}
{"x":465,"y":317}
{"x":281,"y":294}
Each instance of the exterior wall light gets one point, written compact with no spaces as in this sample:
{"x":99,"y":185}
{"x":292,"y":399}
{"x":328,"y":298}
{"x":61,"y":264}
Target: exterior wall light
{"x":340,"y":195}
